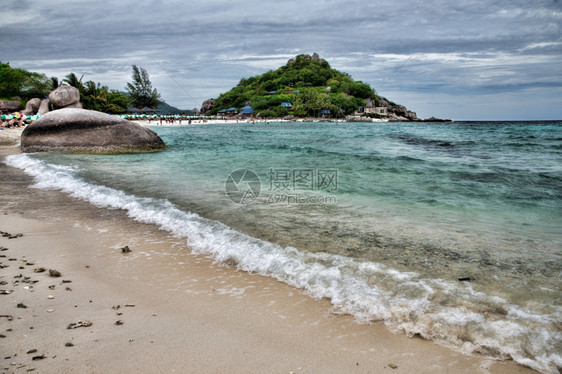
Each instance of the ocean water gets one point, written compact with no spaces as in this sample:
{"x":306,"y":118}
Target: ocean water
{"x":452,"y":231}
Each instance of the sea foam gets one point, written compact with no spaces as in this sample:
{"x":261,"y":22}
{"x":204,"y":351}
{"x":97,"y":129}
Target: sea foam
{"x":449,"y":314}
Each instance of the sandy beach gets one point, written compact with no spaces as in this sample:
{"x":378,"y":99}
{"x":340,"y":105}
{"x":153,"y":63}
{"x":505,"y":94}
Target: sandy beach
{"x":159,"y":308}
{"x":214,"y":121}
{"x":10,"y":136}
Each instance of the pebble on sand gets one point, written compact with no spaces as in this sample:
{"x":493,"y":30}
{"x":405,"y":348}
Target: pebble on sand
{"x":54,"y":273}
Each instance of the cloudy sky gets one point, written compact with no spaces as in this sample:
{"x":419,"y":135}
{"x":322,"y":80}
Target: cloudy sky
{"x":467,"y":59}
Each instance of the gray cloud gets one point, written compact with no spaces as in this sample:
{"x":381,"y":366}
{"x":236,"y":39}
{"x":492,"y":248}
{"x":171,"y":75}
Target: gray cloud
{"x":410,"y":50}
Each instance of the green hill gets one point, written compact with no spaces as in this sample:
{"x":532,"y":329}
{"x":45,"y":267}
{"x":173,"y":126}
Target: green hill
{"x":305,"y":87}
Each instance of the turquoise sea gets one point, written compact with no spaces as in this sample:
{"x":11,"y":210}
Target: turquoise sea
{"x":449,"y":231}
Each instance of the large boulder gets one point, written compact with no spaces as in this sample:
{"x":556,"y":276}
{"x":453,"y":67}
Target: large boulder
{"x":8,"y":106}
{"x":44,"y":107}
{"x":32,"y":106}
{"x":207,"y":105}
{"x":383,"y":103}
{"x":401,"y":113}
{"x":88,"y":131}
{"x":73,"y":105}
{"x":64,"y":96}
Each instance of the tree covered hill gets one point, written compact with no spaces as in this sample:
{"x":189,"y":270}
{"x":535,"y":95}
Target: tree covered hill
{"x":306,"y":86}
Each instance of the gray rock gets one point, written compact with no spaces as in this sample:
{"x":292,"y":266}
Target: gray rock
{"x":207,"y":105}
{"x":88,"y":131}
{"x":32,"y":106}
{"x":384,"y":103}
{"x":401,"y":113}
{"x":77,"y":105}
{"x":10,"y":106}
{"x":44,"y":107}
{"x":64,"y":96}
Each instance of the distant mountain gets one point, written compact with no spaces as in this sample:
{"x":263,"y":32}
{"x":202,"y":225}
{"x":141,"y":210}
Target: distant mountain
{"x":306,"y":86}
{"x":168,"y":109}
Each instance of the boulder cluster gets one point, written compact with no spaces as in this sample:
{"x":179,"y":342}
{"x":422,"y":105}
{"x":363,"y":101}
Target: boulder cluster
{"x":207,"y":105}
{"x":313,"y":57}
{"x":61,"y":97}
{"x":64,"y":126}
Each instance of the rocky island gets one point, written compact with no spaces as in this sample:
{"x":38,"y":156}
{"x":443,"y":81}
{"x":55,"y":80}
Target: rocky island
{"x":307,"y":87}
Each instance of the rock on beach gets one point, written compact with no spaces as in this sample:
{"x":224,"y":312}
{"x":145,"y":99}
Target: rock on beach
{"x":32,"y":106}
{"x":87,"y":131}
{"x":64,"y":96}
{"x":10,"y":106}
{"x":43,"y":107}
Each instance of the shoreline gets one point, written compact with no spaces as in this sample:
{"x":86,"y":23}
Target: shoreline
{"x":189,"y":314}
{"x":145,"y":122}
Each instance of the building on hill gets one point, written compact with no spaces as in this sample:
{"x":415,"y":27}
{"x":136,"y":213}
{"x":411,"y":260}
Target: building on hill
{"x":286,"y":104}
{"x":370,"y":108}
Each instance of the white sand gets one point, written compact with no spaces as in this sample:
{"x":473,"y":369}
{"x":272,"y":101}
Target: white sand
{"x":10,"y":136}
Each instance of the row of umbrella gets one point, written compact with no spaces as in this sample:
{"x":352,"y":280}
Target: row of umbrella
{"x":155,"y":116}
{"x":8,"y":117}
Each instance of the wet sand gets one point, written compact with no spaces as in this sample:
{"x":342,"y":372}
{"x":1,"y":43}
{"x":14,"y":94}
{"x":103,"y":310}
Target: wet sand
{"x":159,"y":308}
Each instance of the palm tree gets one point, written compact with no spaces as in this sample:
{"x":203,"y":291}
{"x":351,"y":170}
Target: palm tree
{"x":94,"y":96}
{"x":72,"y":80}
{"x":54,"y":83}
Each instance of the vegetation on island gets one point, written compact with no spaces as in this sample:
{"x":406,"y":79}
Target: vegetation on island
{"x":24,"y":85}
{"x":307,"y":86}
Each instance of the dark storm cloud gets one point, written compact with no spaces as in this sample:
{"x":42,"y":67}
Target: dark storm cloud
{"x":408,"y":49}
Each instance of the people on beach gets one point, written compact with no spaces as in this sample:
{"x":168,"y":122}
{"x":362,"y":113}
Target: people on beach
{"x":13,"y":120}
{"x":18,"y":117}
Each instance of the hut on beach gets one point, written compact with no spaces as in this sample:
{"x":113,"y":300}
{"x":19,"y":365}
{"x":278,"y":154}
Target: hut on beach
{"x":145,"y":110}
{"x":247,"y":111}
{"x":229,"y":112}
